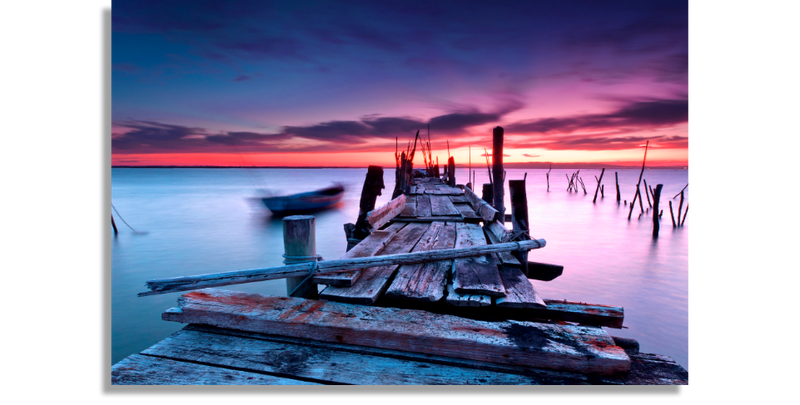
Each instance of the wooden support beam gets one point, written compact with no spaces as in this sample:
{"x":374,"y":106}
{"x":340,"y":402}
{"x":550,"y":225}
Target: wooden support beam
{"x":481,"y":207}
{"x":519,"y":217}
{"x":498,"y":191}
{"x":587,"y":350}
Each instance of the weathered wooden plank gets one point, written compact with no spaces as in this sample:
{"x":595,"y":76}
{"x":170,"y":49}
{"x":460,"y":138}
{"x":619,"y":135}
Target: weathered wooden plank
{"x":146,"y":370}
{"x":442,"y":206}
{"x":425,"y":281}
{"x":506,"y":258}
{"x":459,"y":199}
{"x":499,"y":231}
{"x":467,"y":212}
{"x":430,"y":219}
{"x":586,"y":350}
{"x":475,"y":275}
{"x":583,"y":313}
{"x":482,"y":208}
{"x":466,"y":300}
{"x":186,"y":283}
{"x":320,"y":363}
{"x":423,"y":205}
{"x":374,"y":280}
{"x":370,"y":246}
{"x":519,"y":290}
{"x":410,"y":209}
{"x":382,"y":215}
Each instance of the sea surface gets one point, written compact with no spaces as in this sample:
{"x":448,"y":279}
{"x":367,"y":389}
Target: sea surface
{"x":195,"y":221}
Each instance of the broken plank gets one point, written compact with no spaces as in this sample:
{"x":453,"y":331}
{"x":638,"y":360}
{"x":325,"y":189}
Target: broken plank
{"x":374,"y":280}
{"x":475,"y":275}
{"x":425,"y":281}
{"x":587,"y":350}
{"x":519,"y":291}
{"x":370,"y":246}
{"x":147,"y":370}
{"x":442,"y":206}
{"x":482,"y":208}
{"x":461,"y":198}
{"x":410,"y":209}
{"x":430,"y":219}
{"x":583,"y":313}
{"x":467,"y":212}
{"x":382,"y":215}
{"x":506,"y":258}
{"x":423,"y":205}
{"x":466,"y":300}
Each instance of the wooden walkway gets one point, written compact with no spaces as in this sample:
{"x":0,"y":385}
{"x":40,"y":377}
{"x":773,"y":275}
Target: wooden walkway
{"x":475,"y":320}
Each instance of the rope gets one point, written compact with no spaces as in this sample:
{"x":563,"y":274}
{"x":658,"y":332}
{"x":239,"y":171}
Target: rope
{"x":123,"y":219}
{"x":314,"y":267}
{"x":300,"y":259}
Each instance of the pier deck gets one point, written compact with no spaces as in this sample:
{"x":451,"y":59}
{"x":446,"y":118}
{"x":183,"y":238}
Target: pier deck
{"x":474,"y":320}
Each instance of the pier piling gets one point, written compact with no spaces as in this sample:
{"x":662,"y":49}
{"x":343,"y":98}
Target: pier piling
{"x":300,"y":245}
{"x":497,"y":169}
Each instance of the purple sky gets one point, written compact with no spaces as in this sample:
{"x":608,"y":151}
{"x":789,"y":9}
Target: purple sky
{"x":332,"y":83}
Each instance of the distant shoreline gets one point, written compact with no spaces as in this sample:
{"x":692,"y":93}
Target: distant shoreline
{"x":476,"y":167}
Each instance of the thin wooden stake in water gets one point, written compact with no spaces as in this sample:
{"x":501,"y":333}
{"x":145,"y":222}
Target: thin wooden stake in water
{"x":684,"y":214}
{"x":647,"y":193}
{"x":671,"y":215}
{"x":548,"y":178}
{"x":598,"y":185}
{"x":680,"y":207}
{"x":684,"y":188}
{"x":656,"y":198}
{"x":113,"y":225}
{"x":616,"y":177}
{"x":638,"y":183}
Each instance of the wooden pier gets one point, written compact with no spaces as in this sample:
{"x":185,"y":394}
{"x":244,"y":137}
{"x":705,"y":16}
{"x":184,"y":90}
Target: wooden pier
{"x":438,"y":310}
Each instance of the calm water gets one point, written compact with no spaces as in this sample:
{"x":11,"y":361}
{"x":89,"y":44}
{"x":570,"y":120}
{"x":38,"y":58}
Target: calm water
{"x":204,"y":220}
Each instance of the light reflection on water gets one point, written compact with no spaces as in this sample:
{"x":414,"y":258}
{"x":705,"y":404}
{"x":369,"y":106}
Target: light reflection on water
{"x":204,"y":221}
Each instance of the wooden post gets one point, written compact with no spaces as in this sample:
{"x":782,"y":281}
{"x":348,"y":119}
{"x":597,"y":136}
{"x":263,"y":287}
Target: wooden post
{"x":616,"y":177}
{"x":656,"y":198}
{"x":373,"y":184}
{"x":487,"y":193}
{"x":647,"y":191}
{"x":113,"y":225}
{"x":680,"y":208}
{"x":519,"y":217}
{"x":497,"y":169}
{"x":451,"y":172}
{"x":299,"y":245}
{"x":684,"y":214}
{"x":598,"y":184}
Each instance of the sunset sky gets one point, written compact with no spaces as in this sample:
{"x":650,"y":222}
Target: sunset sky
{"x":335,"y":83}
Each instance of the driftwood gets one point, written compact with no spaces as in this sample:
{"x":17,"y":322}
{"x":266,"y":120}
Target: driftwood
{"x":187,"y":283}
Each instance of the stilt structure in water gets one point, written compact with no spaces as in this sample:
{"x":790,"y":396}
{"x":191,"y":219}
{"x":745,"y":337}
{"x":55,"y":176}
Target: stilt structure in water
{"x":437,"y":291}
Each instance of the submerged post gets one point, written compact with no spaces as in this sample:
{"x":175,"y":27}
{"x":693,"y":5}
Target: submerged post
{"x":373,"y":184}
{"x":300,"y":245}
{"x":656,"y":217}
{"x":598,"y":184}
{"x":616,"y":178}
{"x":497,"y":169}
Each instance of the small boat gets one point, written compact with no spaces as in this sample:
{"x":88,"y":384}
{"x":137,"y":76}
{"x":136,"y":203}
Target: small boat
{"x":305,"y":202}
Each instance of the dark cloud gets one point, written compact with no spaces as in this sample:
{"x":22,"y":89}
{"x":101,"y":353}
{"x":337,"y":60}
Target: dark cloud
{"x":531,"y":156}
{"x":241,"y":78}
{"x":635,"y":114}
